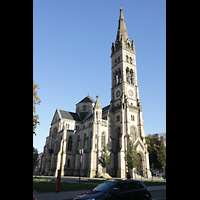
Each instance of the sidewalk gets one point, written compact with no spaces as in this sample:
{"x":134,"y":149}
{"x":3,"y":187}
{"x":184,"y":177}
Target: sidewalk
{"x":71,"y":194}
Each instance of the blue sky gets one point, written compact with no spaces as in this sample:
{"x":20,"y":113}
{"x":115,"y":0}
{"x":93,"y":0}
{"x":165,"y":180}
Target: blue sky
{"x":71,"y":56}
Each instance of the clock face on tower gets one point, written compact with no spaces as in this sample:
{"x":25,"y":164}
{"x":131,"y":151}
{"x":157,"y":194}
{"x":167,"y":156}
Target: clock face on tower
{"x":130,"y":92}
{"x":118,"y":93}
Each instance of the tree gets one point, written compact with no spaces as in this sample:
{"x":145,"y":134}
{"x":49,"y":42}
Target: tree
{"x":132,"y":158}
{"x":104,"y":160}
{"x":162,"y":154}
{"x":36,"y":100}
{"x":157,"y":151}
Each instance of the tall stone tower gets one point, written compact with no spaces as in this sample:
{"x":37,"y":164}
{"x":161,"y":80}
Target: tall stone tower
{"x":126,"y":110}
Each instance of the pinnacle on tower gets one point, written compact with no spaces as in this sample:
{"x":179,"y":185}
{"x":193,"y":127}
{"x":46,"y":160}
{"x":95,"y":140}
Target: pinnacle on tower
{"x":97,"y":103}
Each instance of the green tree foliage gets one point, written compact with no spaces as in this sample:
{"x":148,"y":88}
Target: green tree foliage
{"x":36,"y":100}
{"x":104,"y":160}
{"x":132,"y":158}
{"x":157,"y":151}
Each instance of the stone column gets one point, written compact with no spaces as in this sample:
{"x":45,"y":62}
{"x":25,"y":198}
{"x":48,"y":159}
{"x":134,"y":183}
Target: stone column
{"x":147,"y":166}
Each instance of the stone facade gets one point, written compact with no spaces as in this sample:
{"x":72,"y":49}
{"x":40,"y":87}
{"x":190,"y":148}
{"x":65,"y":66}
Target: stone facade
{"x":92,"y":127}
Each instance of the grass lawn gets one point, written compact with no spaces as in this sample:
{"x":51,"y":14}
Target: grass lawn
{"x":51,"y":186}
{"x":146,"y":182}
{"x":42,"y":180}
{"x":154,"y":183}
{"x":93,"y":181}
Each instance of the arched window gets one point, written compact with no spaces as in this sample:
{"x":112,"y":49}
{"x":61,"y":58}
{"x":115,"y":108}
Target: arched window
{"x":132,"y":118}
{"x":68,"y":163}
{"x":131,"y":60}
{"x":126,"y":58}
{"x":79,"y":143}
{"x":103,"y":139}
{"x":55,"y":131}
{"x":117,"y":76}
{"x":69,"y":147}
{"x":131,"y":78}
{"x":85,"y":141}
{"x":118,"y":60}
{"x":133,"y":133}
{"x":91,"y":140}
{"x":127,"y":75}
{"x":97,"y":114}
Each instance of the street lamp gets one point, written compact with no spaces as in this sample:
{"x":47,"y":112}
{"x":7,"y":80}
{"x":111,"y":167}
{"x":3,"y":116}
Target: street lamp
{"x":81,"y":154}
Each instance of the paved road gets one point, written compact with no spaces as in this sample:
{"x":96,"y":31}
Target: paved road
{"x":158,"y":194}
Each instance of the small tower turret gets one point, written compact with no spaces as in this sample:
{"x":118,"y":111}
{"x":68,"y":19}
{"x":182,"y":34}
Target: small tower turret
{"x":97,"y":110}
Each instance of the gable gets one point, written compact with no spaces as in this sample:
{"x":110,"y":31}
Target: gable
{"x":87,"y":99}
{"x":56,"y":116}
{"x":139,"y":144}
{"x":69,"y":115}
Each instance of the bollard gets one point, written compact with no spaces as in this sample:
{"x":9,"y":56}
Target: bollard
{"x":58,"y":181}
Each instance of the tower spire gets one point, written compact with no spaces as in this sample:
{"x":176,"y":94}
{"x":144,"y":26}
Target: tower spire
{"x":122,"y":39}
{"x":122,"y":35}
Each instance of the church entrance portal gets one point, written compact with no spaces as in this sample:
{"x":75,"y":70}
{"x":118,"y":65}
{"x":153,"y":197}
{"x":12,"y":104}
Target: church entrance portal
{"x":140,"y":166}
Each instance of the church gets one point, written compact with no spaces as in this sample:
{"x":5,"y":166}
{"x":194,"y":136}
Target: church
{"x":78,"y":138}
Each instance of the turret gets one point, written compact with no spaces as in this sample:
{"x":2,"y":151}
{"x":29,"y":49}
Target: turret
{"x":97,"y":110}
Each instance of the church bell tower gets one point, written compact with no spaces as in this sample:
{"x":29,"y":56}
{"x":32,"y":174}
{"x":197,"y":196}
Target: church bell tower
{"x":126,"y":110}
{"x":124,"y":72}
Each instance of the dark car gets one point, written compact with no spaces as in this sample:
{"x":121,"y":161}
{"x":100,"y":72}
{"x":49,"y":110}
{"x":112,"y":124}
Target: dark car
{"x":118,"y":189}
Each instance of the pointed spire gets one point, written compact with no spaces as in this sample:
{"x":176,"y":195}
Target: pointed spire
{"x":122,"y":39}
{"x":121,"y":13}
{"x":97,"y":103}
{"x":122,"y":34}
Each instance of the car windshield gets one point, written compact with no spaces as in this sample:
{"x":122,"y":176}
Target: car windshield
{"x":104,"y":187}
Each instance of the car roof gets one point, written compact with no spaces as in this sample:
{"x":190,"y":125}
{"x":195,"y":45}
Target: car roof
{"x":127,"y":181}
{"x":123,"y":181}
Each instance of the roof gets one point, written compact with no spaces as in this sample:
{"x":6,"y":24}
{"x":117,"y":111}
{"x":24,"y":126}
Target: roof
{"x":69,"y":115}
{"x":87,"y":99}
{"x":106,"y":108}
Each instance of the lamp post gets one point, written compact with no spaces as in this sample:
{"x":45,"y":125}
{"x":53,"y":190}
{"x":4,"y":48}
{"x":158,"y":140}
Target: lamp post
{"x":81,"y":154}
{"x":97,"y":175}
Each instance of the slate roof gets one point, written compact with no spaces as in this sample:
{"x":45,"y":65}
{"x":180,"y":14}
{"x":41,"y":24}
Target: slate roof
{"x":106,"y":108}
{"x":69,"y":115}
{"x":87,"y":99}
{"x":74,"y":116}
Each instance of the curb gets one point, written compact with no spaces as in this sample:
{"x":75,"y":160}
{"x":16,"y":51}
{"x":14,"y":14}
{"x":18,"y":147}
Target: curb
{"x":70,"y":194}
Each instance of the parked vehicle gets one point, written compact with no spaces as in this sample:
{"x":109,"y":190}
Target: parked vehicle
{"x":117,"y":189}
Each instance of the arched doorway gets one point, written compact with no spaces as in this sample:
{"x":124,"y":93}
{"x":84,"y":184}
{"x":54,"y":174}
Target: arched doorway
{"x":140,"y":166}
